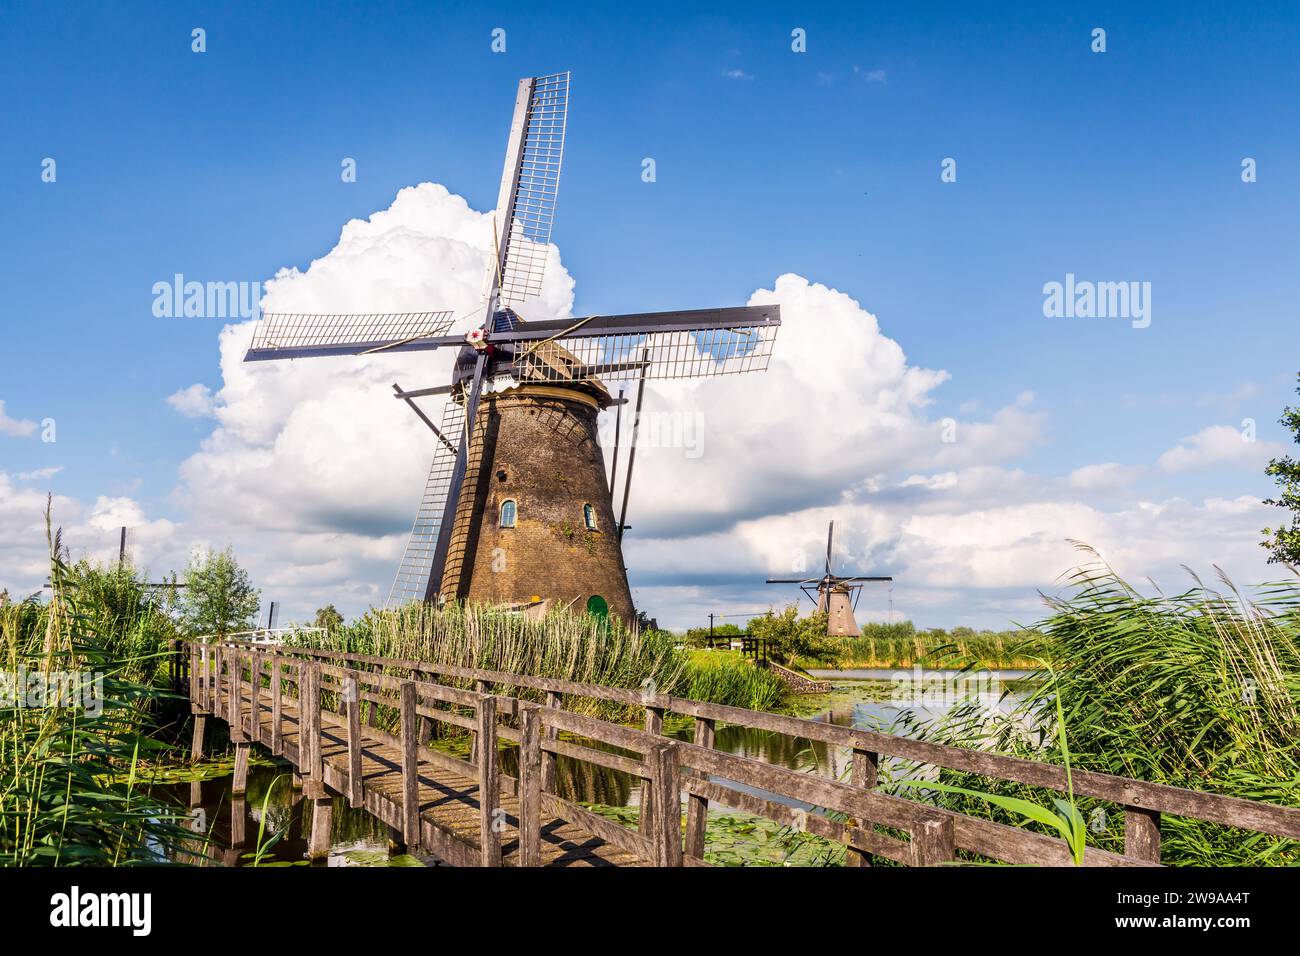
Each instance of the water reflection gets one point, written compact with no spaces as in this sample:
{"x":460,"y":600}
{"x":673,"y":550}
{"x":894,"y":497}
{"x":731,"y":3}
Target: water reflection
{"x":242,"y":830}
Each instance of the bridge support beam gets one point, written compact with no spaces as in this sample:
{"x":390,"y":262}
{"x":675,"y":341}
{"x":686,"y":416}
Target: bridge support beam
{"x":238,"y":821}
{"x":322,"y":816}
{"x":396,"y":845}
{"x":240,"y":785}
{"x":196,"y":742}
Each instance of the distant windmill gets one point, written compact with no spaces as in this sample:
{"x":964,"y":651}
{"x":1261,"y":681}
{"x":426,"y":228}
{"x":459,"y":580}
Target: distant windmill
{"x":837,"y":595}
{"x":517,"y":509}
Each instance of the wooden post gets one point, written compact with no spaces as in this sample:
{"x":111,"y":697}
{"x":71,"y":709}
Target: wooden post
{"x":426,"y":723}
{"x":664,"y":767}
{"x":654,"y":724}
{"x":373,"y":717}
{"x":238,"y":820}
{"x":530,"y":785}
{"x":553,"y":700}
{"x":480,"y":687}
{"x":697,"y":807}
{"x":235,"y":691}
{"x":322,"y":815}
{"x":309,"y":742}
{"x":352,"y":703}
{"x":865,"y":773}
{"x":196,"y":742}
{"x":254,"y":708}
{"x":277,"y":710}
{"x":932,"y":840}
{"x":240,"y":785}
{"x":214,"y":683}
{"x":1142,"y":834}
{"x":489,"y":786}
{"x":410,"y":768}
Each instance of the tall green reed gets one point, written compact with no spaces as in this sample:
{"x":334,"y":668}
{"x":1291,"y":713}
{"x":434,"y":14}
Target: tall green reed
{"x":69,"y":786}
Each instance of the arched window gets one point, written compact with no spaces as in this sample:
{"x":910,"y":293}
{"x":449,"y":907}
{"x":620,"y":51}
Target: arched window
{"x":508,"y":510}
{"x":589,"y":517}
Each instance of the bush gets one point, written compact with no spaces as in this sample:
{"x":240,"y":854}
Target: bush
{"x":791,"y":638}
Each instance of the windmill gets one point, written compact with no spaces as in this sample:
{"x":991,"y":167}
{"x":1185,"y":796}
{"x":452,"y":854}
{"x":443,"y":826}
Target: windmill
{"x":516,"y":509}
{"x":837,"y":595}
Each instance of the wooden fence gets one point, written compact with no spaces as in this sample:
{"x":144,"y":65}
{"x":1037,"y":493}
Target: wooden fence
{"x":870,"y":823}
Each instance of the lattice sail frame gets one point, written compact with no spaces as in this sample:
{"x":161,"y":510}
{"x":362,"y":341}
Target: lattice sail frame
{"x":289,"y":330}
{"x":528,"y":234}
{"x":685,"y":353}
{"x":417,"y":561}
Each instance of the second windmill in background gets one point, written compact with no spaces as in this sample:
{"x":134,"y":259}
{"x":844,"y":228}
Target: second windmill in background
{"x":835,"y":594}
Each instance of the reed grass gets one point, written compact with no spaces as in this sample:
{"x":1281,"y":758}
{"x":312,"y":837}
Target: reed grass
{"x":901,"y":645}
{"x":1199,"y":689}
{"x":726,"y":676}
{"x":70,"y":789}
{"x":561,"y":645}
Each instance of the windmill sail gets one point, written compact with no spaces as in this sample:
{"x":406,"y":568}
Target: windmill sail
{"x":528,"y":210}
{"x":282,"y":335}
{"x":417,"y":563}
{"x":666,"y":345}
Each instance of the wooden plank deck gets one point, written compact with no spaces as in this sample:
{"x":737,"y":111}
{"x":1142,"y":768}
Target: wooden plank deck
{"x":448,"y":800}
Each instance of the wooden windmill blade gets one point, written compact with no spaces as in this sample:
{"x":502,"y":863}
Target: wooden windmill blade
{"x":656,"y":345}
{"x":290,"y":335}
{"x":530,"y":185}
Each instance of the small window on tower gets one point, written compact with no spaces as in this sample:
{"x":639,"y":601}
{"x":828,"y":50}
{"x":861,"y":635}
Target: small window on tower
{"x":589,"y":517}
{"x":508,"y":509}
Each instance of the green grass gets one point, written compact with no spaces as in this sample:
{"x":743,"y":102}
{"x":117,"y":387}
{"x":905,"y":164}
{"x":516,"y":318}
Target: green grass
{"x":727,"y":677}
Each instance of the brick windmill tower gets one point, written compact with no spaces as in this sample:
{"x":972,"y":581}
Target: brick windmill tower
{"x":517,"y":509}
{"x":837,"y":595}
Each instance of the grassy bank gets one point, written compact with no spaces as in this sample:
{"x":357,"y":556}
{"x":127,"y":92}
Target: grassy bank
{"x":726,"y":677}
{"x":902,"y":645}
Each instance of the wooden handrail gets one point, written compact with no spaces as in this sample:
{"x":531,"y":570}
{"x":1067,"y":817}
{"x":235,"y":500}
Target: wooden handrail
{"x":705,"y":772}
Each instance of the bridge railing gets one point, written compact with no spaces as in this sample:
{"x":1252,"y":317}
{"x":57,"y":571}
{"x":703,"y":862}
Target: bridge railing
{"x":667,"y":767}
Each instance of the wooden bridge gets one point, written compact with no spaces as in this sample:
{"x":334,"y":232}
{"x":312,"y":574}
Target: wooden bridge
{"x":306,"y":706}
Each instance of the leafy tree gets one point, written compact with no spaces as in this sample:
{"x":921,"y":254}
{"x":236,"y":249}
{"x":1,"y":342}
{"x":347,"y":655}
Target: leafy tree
{"x":218,"y":598}
{"x":1283,"y":542}
{"x":697,"y":635}
{"x":329,"y":618}
{"x":891,"y":631}
{"x":790,"y":636}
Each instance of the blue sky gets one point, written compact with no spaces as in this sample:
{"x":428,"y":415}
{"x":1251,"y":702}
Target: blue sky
{"x":1124,"y":165}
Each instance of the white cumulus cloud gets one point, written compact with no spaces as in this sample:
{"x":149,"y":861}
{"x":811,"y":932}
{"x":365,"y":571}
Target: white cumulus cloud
{"x":1218,"y":445}
{"x":14,"y":427}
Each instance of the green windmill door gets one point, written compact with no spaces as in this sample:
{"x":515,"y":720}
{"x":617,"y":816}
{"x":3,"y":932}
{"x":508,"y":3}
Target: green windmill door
{"x":597,"y":606}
